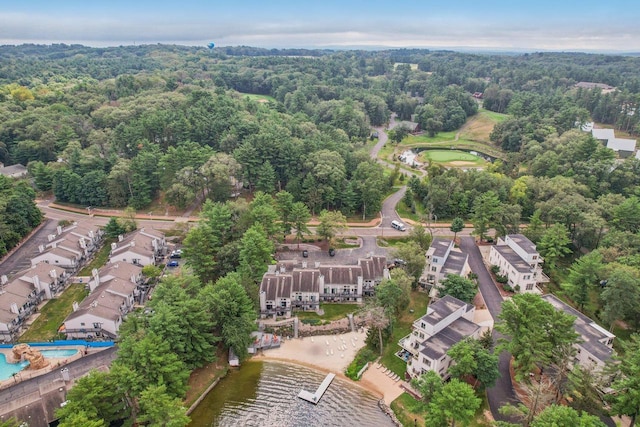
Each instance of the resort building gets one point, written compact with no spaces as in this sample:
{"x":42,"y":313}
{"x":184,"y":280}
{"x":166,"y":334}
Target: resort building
{"x":61,"y":256}
{"x":443,"y":259}
{"x":595,"y":346}
{"x":518,"y":260}
{"x":289,"y":285}
{"x":70,"y":247}
{"x":20,"y":296}
{"x":447,"y":322}
{"x":142,"y":247}
{"x":102,"y":312}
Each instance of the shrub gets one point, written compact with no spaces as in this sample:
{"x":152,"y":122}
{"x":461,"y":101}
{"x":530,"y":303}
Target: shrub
{"x":495,"y":269}
{"x":507,"y":288}
{"x":501,"y":279}
{"x":362,"y":357}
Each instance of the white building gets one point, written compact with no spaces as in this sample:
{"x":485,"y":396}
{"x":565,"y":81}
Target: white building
{"x":443,"y":259}
{"x":518,"y":259}
{"x":289,"y":285}
{"x":103,"y":311}
{"x":60,"y":256}
{"x":447,"y":322}
{"x":624,"y":147}
{"x":595,"y":346}
{"x":142,"y":247}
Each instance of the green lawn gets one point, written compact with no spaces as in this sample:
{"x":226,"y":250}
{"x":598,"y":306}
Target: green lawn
{"x":497,"y":117}
{"x":331,"y":312}
{"x":405,"y":212}
{"x":408,"y":410}
{"x":99,"y":259}
{"x":256,"y":97}
{"x":45,"y":327}
{"x":419,"y":302}
{"x":445,"y":156}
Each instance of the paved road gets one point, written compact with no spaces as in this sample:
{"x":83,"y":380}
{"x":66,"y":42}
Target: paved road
{"x":20,"y":259}
{"x":502,"y":392}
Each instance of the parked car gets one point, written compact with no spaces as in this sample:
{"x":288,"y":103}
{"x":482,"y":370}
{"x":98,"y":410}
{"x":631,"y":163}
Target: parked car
{"x":175,"y":254}
{"x":332,"y":252}
{"x":173,"y":264}
{"x":305,"y":253}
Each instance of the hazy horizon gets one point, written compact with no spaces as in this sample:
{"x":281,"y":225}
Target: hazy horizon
{"x":493,"y":25}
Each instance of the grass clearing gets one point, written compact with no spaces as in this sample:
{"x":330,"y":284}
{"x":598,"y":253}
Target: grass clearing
{"x":408,"y":410}
{"x":258,"y":97}
{"x":426,"y":139}
{"x":331,"y":312}
{"x":417,"y":308}
{"x":392,"y":241}
{"x":99,"y":259}
{"x":45,"y":327}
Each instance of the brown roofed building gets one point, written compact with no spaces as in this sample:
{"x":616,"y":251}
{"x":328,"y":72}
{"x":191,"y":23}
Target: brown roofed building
{"x":289,"y":285}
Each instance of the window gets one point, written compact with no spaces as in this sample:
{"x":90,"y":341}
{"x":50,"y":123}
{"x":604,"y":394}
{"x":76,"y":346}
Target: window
{"x":535,"y":257}
{"x":529,"y":286}
{"x":435,"y":260}
{"x":433,"y":268}
{"x":82,"y":324}
{"x":426,"y":361}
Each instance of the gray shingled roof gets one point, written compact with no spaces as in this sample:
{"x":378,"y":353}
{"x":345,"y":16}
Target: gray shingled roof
{"x":513,"y":258}
{"x":276,"y":286}
{"x":455,"y":263}
{"x":603,"y":134}
{"x":440,"y":246}
{"x":437,"y":346}
{"x":443,"y":308}
{"x":590,"y":332}
{"x":524,"y":243}
{"x":621,"y":144}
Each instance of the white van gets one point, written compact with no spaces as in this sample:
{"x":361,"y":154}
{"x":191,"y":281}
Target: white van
{"x":398,"y":225}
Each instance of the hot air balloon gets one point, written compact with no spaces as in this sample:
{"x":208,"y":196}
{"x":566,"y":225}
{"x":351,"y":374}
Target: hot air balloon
{"x":211,"y":45}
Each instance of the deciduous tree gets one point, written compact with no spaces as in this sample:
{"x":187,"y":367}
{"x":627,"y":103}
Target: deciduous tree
{"x":458,"y":287}
{"x":455,"y":404}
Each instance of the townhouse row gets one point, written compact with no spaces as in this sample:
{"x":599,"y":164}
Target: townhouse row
{"x":114,"y":289}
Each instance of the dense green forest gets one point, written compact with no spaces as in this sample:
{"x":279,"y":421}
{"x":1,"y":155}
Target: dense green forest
{"x":18,"y":212}
{"x":126,"y":126}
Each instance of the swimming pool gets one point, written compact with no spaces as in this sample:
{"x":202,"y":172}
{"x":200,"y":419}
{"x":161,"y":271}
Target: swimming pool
{"x":8,"y":369}
{"x":52,"y":354}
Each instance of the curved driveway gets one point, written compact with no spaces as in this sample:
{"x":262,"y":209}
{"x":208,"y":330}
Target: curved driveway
{"x":502,"y":392}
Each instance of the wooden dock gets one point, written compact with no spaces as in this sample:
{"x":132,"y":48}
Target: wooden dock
{"x":315,"y":397}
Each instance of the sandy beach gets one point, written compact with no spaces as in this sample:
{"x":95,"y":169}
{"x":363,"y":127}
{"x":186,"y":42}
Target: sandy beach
{"x":333,"y":353}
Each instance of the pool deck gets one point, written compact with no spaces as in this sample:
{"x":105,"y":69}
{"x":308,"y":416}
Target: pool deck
{"x":315,"y":397}
{"x":54,"y":363}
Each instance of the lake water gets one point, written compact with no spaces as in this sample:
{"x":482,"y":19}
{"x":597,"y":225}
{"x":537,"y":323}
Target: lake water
{"x":266,"y":394}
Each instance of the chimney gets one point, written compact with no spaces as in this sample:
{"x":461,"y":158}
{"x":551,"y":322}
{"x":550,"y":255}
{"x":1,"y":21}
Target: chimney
{"x":304,"y":264}
{"x":263,"y":300}
{"x":75,"y":306}
{"x":14,"y":308}
{"x":54,"y":245}
{"x":83,"y":244}
{"x":59,"y":229}
{"x":91,"y":235}
{"x":96,"y":276}
{"x":3,"y":279}
{"x":120,"y":237}
{"x":114,"y":246}
{"x":41,"y":248}
{"x":36,"y":282}
{"x":283,"y":269}
{"x":53,"y":274}
{"x":317,"y":264}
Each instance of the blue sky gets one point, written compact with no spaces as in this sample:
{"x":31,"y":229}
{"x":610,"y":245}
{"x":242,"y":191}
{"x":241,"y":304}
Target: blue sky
{"x":610,"y":25}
